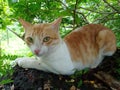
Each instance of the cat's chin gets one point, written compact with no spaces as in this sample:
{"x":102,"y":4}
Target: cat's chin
{"x":40,"y":54}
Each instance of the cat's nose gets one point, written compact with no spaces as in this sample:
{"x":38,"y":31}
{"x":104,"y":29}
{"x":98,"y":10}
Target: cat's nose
{"x":36,"y":51}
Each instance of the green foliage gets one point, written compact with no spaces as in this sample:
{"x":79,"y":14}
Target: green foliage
{"x":6,"y":68}
{"x":5,"y":14}
{"x":6,"y":81}
{"x":79,"y":74}
{"x":75,"y":13}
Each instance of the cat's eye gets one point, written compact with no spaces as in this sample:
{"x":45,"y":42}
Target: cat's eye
{"x":46,"y":39}
{"x":30,"y":39}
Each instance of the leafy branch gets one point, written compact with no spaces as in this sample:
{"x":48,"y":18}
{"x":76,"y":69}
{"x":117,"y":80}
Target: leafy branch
{"x":74,"y":12}
{"x":118,"y":11}
{"x":96,"y":11}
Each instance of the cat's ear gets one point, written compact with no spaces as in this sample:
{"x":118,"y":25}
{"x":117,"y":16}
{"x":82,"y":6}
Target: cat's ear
{"x":56,"y":23}
{"x":25,"y":24}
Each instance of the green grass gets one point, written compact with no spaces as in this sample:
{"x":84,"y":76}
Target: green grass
{"x":11,"y":48}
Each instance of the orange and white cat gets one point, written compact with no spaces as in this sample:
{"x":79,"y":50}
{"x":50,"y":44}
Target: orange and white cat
{"x":84,"y":47}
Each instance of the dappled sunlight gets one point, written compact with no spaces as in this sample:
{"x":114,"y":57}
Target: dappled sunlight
{"x":15,"y":46}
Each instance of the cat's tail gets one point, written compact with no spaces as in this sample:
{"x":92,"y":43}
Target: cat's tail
{"x":106,"y":42}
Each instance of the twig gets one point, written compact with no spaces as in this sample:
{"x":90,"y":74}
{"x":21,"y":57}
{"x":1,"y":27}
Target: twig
{"x":101,"y":19}
{"x":7,"y":36}
{"x":119,"y":1}
{"x":74,"y":13}
{"x":109,"y":80}
{"x":15,"y":33}
{"x":63,"y":4}
{"x":84,"y":17}
{"x":96,"y":11}
{"x":111,"y":6}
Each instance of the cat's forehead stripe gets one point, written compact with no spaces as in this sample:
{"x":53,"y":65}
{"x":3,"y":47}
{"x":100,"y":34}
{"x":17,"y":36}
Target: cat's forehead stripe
{"x":38,"y":28}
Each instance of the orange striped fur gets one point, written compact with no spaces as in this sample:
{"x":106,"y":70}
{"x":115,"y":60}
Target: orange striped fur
{"x":86,"y":43}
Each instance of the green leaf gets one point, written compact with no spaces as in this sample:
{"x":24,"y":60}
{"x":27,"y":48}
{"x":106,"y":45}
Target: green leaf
{"x":6,"y":81}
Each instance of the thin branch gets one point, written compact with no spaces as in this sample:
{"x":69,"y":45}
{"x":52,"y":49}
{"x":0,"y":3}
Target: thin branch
{"x":119,"y":2}
{"x":16,"y":34}
{"x":103,"y":18}
{"x":108,"y":80}
{"x":118,"y":11}
{"x":63,"y":4}
{"x":72,"y":10}
{"x":96,"y":11}
{"x":7,"y":36}
{"x":69,"y":10}
{"x":74,"y":13}
{"x":84,"y":17}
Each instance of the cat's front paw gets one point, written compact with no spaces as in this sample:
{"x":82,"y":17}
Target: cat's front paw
{"x":22,"y":62}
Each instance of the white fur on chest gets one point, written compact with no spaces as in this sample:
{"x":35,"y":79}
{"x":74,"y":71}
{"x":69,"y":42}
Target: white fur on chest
{"x":60,"y":60}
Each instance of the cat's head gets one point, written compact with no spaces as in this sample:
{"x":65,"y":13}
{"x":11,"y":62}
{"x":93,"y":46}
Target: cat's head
{"x":42,"y":38}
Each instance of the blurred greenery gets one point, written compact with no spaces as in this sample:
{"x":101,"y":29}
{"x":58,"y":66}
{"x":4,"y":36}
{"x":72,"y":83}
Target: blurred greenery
{"x":75,"y":13}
